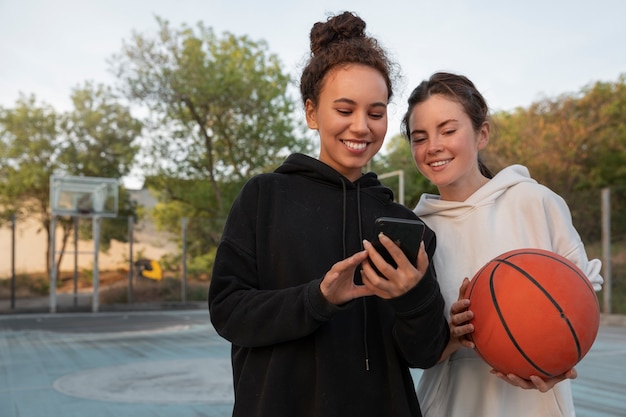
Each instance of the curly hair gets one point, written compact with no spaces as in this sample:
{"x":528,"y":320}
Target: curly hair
{"x":340,"y":41}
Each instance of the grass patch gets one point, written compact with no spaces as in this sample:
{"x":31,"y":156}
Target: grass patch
{"x":26,"y":286}
{"x":167,"y":290}
{"x":113,"y":287}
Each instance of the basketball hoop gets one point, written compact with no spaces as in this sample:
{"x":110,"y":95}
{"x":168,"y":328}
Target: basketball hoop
{"x":91,"y":197}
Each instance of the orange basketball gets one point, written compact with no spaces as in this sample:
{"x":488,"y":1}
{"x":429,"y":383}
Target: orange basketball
{"x":535,"y":313}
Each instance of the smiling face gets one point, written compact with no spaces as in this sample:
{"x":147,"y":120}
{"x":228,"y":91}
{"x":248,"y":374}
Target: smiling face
{"x":351,"y":118}
{"x":445,"y":146}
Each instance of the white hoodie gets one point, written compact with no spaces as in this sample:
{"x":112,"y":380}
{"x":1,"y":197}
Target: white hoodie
{"x":511,"y":211}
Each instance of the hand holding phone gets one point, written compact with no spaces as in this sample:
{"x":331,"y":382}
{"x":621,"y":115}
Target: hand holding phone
{"x":406,"y":233}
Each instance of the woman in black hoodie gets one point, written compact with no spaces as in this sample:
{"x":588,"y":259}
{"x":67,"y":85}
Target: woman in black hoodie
{"x":306,"y":340}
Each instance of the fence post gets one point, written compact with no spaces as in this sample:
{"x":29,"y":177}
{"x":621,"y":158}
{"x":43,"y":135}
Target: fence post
{"x":76,"y":223}
{"x":184,"y":261}
{"x":13,"y":221}
{"x":96,"y":267}
{"x":52,"y":262}
{"x":131,"y":263}
{"x":606,"y":248}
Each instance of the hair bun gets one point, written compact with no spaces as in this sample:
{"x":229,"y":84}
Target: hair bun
{"x":338,"y":42}
{"x":336,"y":29}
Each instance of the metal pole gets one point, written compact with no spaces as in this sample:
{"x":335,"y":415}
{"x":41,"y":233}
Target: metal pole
{"x":184,"y":260}
{"x":131,"y":266}
{"x":606,"y":249}
{"x":53,"y":269}
{"x":13,"y":220}
{"x":401,"y":187}
{"x":75,"y":262}
{"x":96,"y":272}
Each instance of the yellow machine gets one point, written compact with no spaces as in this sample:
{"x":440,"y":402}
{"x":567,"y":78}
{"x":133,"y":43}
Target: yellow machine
{"x":148,"y":268}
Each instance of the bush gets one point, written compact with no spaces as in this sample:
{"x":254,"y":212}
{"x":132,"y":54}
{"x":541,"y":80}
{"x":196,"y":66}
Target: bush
{"x":26,"y":286}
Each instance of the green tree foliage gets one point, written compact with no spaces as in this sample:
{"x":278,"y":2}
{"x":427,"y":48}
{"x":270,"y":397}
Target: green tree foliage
{"x":219,"y":113}
{"x":95,"y":139}
{"x":29,"y":143}
{"x":100,"y":134}
{"x":575,"y":144}
{"x":100,"y":141}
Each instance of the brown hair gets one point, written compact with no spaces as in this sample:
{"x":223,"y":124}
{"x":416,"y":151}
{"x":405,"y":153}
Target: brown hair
{"x":341,"y":40}
{"x":455,"y":87}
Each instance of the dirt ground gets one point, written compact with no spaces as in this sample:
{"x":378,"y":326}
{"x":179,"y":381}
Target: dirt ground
{"x":37,"y":284}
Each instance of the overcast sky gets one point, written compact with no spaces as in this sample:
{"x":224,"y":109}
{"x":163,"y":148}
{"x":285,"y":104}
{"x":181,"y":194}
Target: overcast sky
{"x":515,"y":51}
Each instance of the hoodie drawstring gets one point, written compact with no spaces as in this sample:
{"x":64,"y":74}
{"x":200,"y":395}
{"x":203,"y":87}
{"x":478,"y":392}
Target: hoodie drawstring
{"x":358,"y":205}
{"x":343,"y":232}
{"x":345,"y":254}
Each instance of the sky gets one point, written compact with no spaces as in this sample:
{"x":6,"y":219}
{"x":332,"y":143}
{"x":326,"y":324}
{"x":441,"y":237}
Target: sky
{"x":516,"y":52}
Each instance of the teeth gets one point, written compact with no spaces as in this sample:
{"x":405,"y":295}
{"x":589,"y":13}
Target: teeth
{"x":355,"y":145}
{"x":438,"y":163}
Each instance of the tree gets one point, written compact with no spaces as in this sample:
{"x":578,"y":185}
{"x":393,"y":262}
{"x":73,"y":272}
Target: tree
{"x":100,"y":136}
{"x":36,"y":142}
{"x":575,"y":144}
{"x":603,"y":107}
{"x":219,"y":113}
{"x":29,"y":143}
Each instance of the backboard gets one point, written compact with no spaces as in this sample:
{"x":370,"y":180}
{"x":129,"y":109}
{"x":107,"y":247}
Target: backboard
{"x":84,"y":196}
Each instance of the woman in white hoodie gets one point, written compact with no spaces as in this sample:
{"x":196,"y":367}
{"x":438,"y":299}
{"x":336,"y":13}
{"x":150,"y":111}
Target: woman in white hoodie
{"x":476,"y":217}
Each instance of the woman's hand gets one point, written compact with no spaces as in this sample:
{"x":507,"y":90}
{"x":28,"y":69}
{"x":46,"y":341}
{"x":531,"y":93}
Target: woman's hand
{"x":338,"y":284}
{"x":460,"y":315}
{"x":459,"y":324}
{"x":535,"y":382}
{"x":396,"y":281}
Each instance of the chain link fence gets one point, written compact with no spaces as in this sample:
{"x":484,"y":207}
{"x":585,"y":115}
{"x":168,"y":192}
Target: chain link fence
{"x":150,"y":268}
{"x":170,"y":270}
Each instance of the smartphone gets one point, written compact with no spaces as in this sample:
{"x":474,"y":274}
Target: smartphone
{"x":406,"y":233}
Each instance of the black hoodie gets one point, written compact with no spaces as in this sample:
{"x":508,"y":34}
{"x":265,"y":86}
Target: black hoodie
{"x":293,"y":353}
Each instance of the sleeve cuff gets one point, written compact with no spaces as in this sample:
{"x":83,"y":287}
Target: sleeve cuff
{"x":417,"y":299}
{"x":318,"y":305}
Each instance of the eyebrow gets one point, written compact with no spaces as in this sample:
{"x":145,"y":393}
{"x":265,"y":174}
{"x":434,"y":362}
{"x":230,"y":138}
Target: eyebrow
{"x":350,"y":101}
{"x":439,"y":126}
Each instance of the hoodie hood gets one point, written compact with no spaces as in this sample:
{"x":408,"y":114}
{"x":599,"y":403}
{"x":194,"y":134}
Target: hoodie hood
{"x":487,"y":194}
{"x":300,"y":164}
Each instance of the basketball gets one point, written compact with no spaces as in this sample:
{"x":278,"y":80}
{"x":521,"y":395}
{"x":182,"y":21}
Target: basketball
{"x":535,"y":313}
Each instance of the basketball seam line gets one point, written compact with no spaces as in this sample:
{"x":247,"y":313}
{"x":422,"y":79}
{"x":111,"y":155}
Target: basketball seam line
{"x":506,"y":328}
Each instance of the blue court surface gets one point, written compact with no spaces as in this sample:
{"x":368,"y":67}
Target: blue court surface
{"x":172,"y":363}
